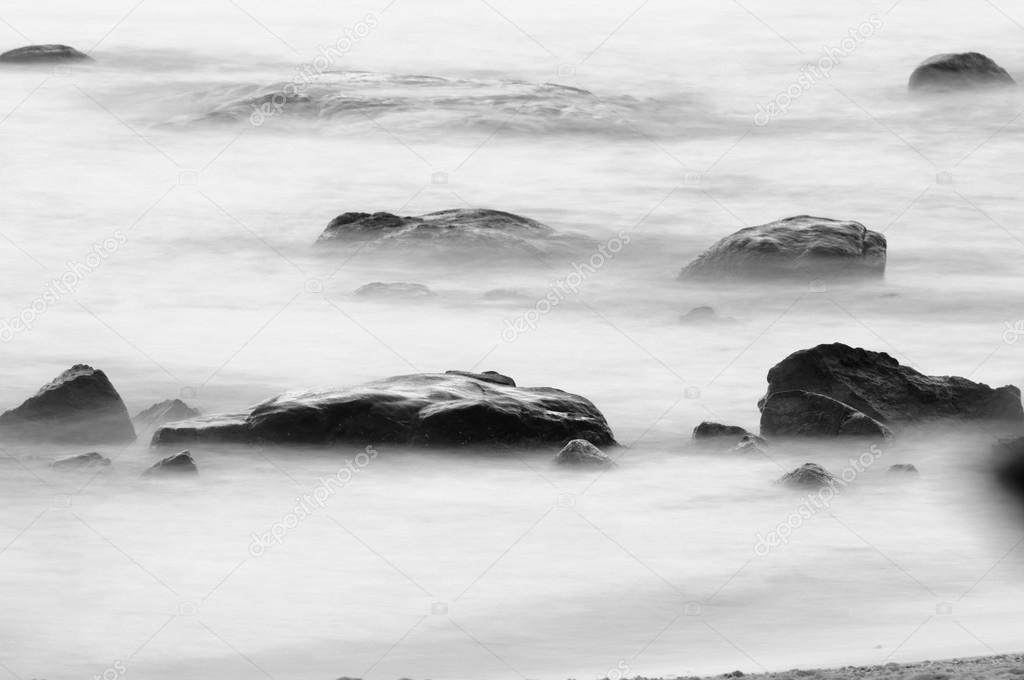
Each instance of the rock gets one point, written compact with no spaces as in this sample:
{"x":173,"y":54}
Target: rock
{"x":958,"y":71}
{"x":500,"y":232}
{"x":795,"y":413}
{"x":425,"y":409}
{"x":904,"y":468}
{"x":1009,"y":465}
{"x":506,"y":295}
{"x":796,"y":247}
{"x":81,"y":461}
{"x":877,"y":385}
{"x":486,"y":376}
{"x":166,"y":411}
{"x":750,"y":443}
{"x":705,"y":315}
{"x":391,"y":290}
{"x":710,"y":430}
{"x":79,"y":406}
{"x":582,"y":452}
{"x":38,"y":54}
{"x":179,"y":464}
{"x":808,"y":475}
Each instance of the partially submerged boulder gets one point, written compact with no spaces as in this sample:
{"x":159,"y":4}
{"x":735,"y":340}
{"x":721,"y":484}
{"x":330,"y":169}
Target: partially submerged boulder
{"x":391,"y":290}
{"x":167,"y":411}
{"x":500,"y":232}
{"x":959,"y":71}
{"x":450,"y":409}
{"x":43,"y":54}
{"x":795,"y":247}
{"x":704,"y":315}
{"x":807,"y":476}
{"x":80,"y":405}
{"x":180,"y":463}
{"x":903,"y":468}
{"x":582,"y":452}
{"x":875,"y":384}
{"x":795,"y":413}
{"x":749,"y":443}
{"x":712,"y":430}
{"x":81,"y":461}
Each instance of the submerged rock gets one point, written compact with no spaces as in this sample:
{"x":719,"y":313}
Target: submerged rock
{"x":903,"y":468}
{"x":392,"y":290}
{"x":710,"y":430}
{"x":80,"y":405}
{"x":582,"y":452}
{"x":501,"y":232}
{"x":800,"y":247}
{"x":877,"y":385}
{"x":166,"y":411}
{"x":451,"y":409}
{"x":795,"y":413}
{"x":959,"y":71}
{"x":81,"y":461}
{"x":180,"y":463}
{"x":750,"y":443}
{"x":808,"y":475}
{"x":1009,"y":465}
{"x":705,"y":315}
{"x":39,"y":54}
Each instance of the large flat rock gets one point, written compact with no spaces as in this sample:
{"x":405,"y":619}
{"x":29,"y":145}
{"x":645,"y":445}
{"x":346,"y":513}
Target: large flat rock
{"x":452,"y":409}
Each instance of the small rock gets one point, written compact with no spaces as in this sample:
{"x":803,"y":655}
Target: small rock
{"x":704,"y":315}
{"x":711,"y":430}
{"x":167,"y":411}
{"x":82,"y":460}
{"x":392,"y":290}
{"x":179,"y":463}
{"x":38,"y":54}
{"x":905,"y":468}
{"x":750,"y":443}
{"x":808,"y":475}
{"x":582,"y":452}
{"x":959,"y":71}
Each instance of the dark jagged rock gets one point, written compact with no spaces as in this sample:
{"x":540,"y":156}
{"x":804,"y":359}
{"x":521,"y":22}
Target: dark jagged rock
{"x":959,"y":71}
{"x":80,"y":405}
{"x":180,"y":463}
{"x":499,"y":231}
{"x":795,"y":413}
{"x":704,"y":316}
{"x":808,"y":476}
{"x":167,"y":411}
{"x":582,"y":452}
{"x":877,"y":385}
{"x":486,"y":376}
{"x":392,"y":290}
{"x":796,"y":247}
{"x":449,"y":409}
{"x":710,"y":430}
{"x":903,"y":468}
{"x":81,"y":461}
{"x":43,"y":54}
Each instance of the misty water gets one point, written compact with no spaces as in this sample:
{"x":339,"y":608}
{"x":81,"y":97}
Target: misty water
{"x":636,"y":122}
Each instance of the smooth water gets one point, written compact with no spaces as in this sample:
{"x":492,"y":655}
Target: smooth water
{"x":185,"y":231}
